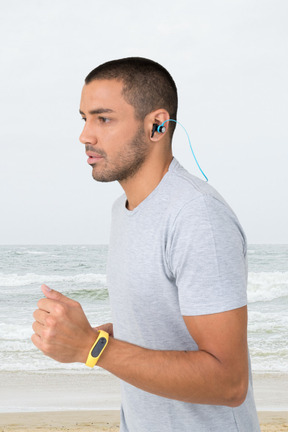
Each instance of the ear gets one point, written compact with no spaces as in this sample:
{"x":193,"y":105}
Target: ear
{"x":156,"y":117}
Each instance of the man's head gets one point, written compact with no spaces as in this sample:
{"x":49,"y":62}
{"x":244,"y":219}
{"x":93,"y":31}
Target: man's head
{"x":120,"y":102}
{"x":147,"y":85}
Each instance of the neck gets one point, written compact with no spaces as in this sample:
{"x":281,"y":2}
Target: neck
{"x":139,"y":187}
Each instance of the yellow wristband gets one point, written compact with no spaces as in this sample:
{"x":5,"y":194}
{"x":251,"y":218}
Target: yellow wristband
{"x":97,"y":348}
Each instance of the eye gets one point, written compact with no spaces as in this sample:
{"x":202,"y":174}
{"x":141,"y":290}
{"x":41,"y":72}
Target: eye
{"x":83,"y":118}
{"x":104,"y":119}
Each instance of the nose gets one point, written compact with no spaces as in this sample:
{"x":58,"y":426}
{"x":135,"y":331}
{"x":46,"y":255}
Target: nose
{"x":87,"y":136}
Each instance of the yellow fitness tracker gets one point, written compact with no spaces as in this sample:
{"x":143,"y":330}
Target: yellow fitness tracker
{"x":97,"y":348}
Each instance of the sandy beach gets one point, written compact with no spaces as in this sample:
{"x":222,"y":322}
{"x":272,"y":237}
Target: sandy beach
{"x":100,"y":421}
{"x":73,"y":421}
{"x":89,"y":402}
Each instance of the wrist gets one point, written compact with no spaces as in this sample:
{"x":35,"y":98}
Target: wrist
{"x":97,"y":348}
{"x":84,"y":350}
{"x":104,"y":360}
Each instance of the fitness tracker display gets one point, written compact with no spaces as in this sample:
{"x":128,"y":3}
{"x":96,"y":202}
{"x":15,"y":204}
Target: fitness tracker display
{"x":97,"y":348}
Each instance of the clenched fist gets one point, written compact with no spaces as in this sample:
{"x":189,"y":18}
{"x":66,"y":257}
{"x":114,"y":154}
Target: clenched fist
{"x":61,"y":329}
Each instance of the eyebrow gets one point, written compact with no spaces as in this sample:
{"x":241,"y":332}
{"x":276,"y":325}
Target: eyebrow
{"x":98,"y":111}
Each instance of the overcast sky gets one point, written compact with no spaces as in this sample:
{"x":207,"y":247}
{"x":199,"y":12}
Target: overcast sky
{"x":230,"y":62}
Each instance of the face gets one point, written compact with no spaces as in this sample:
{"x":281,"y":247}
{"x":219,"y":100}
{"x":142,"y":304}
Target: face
{"x":114,"y":139}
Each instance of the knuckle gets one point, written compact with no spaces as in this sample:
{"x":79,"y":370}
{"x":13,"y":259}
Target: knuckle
{"x":59,"y":309}
{"x":50,"y":321}
{"x":48,"y":335}
{"x":77,"y":305}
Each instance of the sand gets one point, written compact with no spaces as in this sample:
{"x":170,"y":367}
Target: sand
{"x":100,"y":421}
{"x":35,"y":402}
{"x":87,"y":421}
{"x":273,"y":421}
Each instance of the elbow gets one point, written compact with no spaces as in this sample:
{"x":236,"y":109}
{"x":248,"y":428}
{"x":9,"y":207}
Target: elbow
{"x":237,"y":393}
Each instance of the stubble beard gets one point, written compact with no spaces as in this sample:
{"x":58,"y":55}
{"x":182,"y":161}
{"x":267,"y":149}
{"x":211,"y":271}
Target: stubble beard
{"x":128,"y":163}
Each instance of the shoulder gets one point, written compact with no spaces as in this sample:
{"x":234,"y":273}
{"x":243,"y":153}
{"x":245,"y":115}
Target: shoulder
{"x":197,"y":208}
{"x":188,"y":192}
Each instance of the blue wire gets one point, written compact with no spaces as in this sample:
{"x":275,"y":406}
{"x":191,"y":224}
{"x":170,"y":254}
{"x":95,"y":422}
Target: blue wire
{"x":175,"y":121}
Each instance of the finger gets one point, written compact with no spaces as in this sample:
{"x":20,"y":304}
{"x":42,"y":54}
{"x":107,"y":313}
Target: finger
{"x":37,"y":328}
{"x":46,"y":305}
{"x":55,"y":295}
{"x":40,"y":316}
{"x":36,"y":340}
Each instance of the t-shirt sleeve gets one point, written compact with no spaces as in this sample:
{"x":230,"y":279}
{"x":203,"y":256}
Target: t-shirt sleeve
{"x":206,"y":254}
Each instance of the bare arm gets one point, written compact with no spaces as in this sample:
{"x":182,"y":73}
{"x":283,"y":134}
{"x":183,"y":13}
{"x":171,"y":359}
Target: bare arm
{"x":215,"y":374}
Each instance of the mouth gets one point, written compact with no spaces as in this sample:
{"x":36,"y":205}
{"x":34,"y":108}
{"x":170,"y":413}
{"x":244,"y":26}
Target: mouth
{"x":93,"y":158}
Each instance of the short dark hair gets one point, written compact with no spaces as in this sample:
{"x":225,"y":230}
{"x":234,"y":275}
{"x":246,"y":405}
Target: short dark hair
{"x":147,"y":85}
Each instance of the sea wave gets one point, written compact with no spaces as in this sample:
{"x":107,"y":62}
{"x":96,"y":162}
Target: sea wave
{"x":16,"y":280}
{"x":30,"y":252}
{"x":14,"y":332}
{"x":34,"y":361}
{"x":265,"y":286}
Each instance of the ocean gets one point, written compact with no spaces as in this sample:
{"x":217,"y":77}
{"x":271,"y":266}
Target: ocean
{"x":79,"y":272}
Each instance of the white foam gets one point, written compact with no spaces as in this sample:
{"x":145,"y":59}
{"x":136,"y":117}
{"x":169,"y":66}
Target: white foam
{"x":269,"y":363}
{"x":14,"y":332}
{"x":266,"y":286}
{"x":33,"y":360}
{"x":15,"y":280}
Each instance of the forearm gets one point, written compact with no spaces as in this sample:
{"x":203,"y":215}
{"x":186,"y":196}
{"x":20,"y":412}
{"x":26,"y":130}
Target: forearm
{"x":216,"y":374}
{"x":194,"y":376}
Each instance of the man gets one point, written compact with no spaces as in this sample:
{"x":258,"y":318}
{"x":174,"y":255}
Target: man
{"x":177,"y":270}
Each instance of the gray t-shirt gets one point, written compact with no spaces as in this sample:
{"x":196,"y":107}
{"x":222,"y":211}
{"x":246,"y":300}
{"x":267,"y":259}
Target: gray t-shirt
{"x":181,"y":252}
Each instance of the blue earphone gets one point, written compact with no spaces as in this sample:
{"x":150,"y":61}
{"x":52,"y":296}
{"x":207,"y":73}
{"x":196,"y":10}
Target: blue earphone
{"x":161,"y":129}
